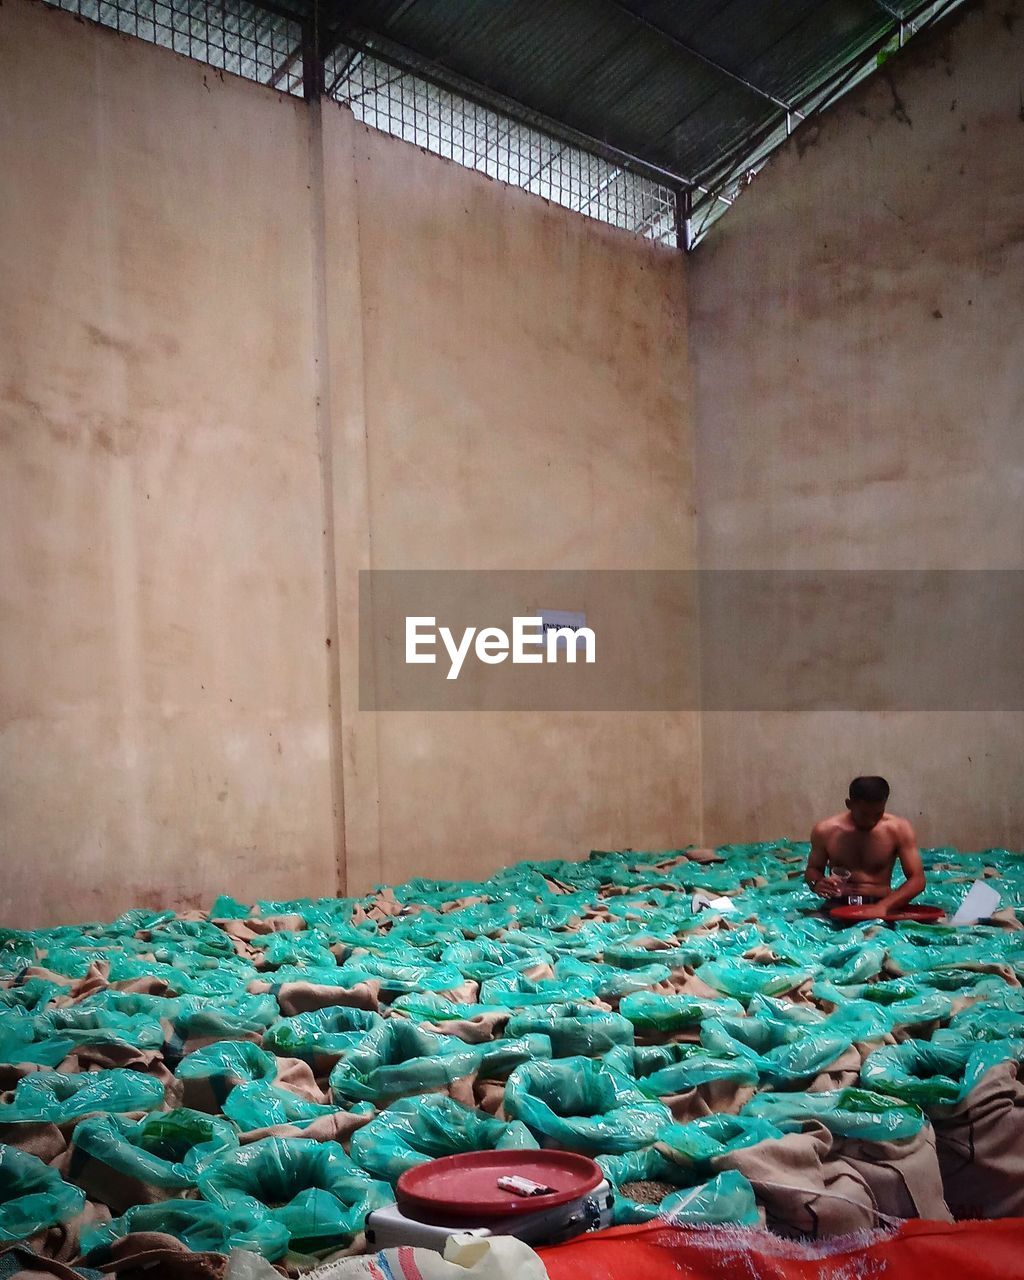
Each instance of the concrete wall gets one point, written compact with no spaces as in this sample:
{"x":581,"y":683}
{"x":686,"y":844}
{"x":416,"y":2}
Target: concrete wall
{"x":164,"y":722}
{"x":526,"y":396}
{"x":856,"y":332}
{"x":246,"y":351}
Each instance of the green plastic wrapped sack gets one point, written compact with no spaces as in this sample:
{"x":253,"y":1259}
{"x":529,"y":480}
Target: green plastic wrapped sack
{"x":166,"y":1151}
{"x":485,"y":958}
{"x":414,"y":1130}
{"x":630,"y":953}
{"x":743,"y":980}
{"x":781,"y":1055}
{"x":433,"y":1008}
{"x":322,"y":1036}
{"x":516,"y":991}
{"x":201,"y":1227}
{"x":574,"y":1029}
{"x":727,"y":1198}
{"x":651,"y":1012}
{"x":846,"y":1113}
{"x":581,"y":1104}
{"x":219,"y":1018}
{"x":18,"y":1043}
{"x":398,"y":1059}
{"x":259,"y":1105}
{"x":212,"y":1072}
{"x":931,"y":1074}
{"x":32,"y":1196}
{"x":1000,"y":1018}
{"x":99,"y":1026}
{"x":32,"y":995}
{"x":398,"y":977}
{"x":285,"y":947}
{"x":694,"y":1145}
{"x":853,"y":962}
{"x":691,"y":1066}
{"x":50,"y":1097}
{"x":311,"y":1188}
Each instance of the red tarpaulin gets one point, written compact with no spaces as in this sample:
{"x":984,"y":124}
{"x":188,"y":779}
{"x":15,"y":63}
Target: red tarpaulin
{"x":916,"y":1251}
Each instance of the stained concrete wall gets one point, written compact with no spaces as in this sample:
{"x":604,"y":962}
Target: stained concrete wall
{"x":164,"y":720}
{"x":856,"y":332}
{"x":247,"y":350}
{"x":526,"y":399}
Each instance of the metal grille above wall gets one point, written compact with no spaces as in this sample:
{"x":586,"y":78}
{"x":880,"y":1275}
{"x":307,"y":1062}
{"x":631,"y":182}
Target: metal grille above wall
{"x":651,"y":115}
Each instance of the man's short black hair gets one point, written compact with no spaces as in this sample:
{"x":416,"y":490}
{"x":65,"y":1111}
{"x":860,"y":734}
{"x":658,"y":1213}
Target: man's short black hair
{"x":872,"y":790}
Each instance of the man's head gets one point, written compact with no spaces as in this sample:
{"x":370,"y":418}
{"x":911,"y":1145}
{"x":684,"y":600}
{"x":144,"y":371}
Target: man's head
{"x":866,"y":801}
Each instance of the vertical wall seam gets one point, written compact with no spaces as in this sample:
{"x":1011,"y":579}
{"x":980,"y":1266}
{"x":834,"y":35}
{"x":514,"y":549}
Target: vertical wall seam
{"x":322,"y":408}
{"x":369,"y":487}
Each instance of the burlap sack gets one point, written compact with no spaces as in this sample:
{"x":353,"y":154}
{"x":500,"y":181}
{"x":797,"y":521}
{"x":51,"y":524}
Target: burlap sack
{"x":804,"y":1189}
{"x":708,"y":1099}
{"x":19,"y":1263}
{"x":479,"y":1029}
{"x":305,"y":997}
{"x":103,"y":1057}
{"x":904,"y":1176}
{"x":338,"y":1127}
{"x":980,"y":1144}
{"x":43,"y":1140}
{"x":207,"y":1093}
{"x":63,"y":1242}
{"x":146,"y":1255}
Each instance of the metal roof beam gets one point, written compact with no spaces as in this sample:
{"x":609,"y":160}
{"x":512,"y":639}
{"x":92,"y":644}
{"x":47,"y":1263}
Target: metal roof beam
{"x":690,"y":51}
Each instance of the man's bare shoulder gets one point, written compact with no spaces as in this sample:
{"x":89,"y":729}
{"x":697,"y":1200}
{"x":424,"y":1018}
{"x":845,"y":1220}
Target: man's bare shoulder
{"x":829,"y":826}
{"x":901,"y":828}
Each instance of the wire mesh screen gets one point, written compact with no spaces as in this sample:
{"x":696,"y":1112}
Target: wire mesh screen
{"x":231,"y":35}
{"x":408,"y":107}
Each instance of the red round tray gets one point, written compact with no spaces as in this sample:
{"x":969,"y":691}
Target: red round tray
{"x":464,"y":1188}
{"x":920,"y":915}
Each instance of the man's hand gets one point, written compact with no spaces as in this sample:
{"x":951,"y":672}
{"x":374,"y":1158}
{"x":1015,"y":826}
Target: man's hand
{"x":826,"y":888}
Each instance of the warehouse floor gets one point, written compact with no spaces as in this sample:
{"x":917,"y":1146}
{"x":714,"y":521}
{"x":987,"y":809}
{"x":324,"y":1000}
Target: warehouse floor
{"x":260,"y":1076}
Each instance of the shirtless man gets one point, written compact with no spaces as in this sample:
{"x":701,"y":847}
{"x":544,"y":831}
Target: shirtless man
{"x":862,"y":845}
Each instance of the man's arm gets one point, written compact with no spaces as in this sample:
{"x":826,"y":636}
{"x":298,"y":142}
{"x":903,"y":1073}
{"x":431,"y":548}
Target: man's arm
{"x":913,"y":868}
{"x":814,"y":875}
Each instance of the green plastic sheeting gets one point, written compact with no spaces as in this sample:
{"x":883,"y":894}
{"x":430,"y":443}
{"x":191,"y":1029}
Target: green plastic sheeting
{"x":574,"y":1028}
{"x":677,"y":1068}
{"x":583,"y":1105}
{"x":397,"y":1059}
{"x":32,"y":1196}
{"x":323,"y":1033}
{"x":49,"y":1097}
{"x":227,"y":1064}
{"x":203,"y":1227}
{"x":312,"y":1189}
{"x":694,"y":1145}
{"x":414,"y":1130}
{"x":258,"y":1105}
{"x":846,"y":1113}
{"x":167,"y":1150}
{"x":650,"y":1012}
{"x":929,"y":1075}
{"x":726,"y":1198}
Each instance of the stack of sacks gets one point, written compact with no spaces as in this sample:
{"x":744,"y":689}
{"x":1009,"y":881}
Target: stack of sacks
{"x":174,"y":1086}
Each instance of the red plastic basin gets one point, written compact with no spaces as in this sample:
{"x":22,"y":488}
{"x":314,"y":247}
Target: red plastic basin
{"x":464,"y":1188}
{"x":919,"y":914}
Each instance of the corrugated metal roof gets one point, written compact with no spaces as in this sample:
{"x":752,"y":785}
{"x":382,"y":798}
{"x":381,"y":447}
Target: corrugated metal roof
{"x":690,"y":91}
{"x":692,"y":95}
